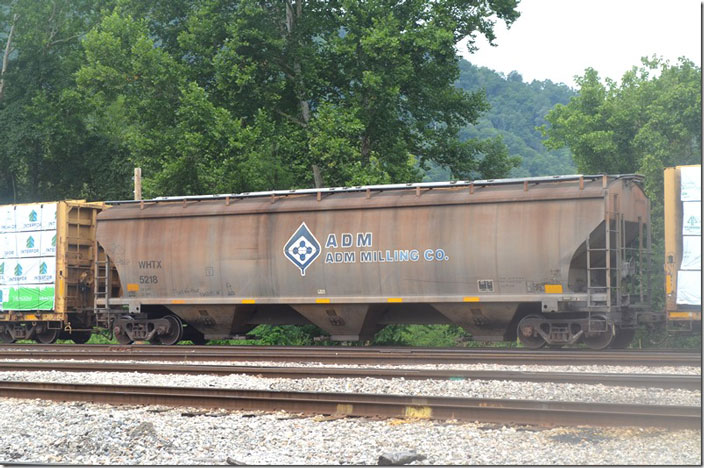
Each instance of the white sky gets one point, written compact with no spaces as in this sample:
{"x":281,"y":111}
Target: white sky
{"x":558,"y":39}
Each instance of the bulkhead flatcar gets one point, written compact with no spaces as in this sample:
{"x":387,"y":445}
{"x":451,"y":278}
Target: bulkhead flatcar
{"x":47,"y":255}
{"x":548,"y":260}
{"x":683,"y":247}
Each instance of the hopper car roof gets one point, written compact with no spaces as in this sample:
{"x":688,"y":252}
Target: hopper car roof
{"x":522,"y":190}
{"x":388,"y":187}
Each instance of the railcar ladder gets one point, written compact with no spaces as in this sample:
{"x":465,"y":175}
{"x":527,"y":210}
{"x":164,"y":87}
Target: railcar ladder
{"x":102,"y":283}
{"x":610,"y":257}
{"x":611,"y":286}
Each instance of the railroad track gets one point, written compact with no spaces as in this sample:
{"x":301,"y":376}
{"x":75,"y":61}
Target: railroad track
{"x":689,"y":382}
{"x":543,"y":413}
{"x":356,"y":355}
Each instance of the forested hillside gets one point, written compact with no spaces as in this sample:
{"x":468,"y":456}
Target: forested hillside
{"x":517,"y":109}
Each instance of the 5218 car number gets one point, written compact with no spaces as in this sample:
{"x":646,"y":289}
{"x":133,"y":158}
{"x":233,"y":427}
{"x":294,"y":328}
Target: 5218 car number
{"x":148,"y":279}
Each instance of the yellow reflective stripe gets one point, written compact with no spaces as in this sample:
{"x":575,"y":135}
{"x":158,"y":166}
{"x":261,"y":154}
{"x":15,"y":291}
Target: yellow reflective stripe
{"x":470,"y":299}
{"x":685,"y":315}
{"x":553,"y":289}
{"x":132,"y":287}
{"x":322,"y":301}
{"x":395,"y":299}
{"x":248,"y":301}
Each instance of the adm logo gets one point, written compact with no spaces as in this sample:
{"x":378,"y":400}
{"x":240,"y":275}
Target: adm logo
{"x":302,"y":248}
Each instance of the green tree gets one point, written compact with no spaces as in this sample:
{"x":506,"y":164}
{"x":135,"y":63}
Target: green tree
{"x":49,"y":150}
{"x":216,"y":95}
{"x":206,"y":92}
{"x":652,"y":117}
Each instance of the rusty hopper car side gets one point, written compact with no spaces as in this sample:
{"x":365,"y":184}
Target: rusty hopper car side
{"x":551,"y":260}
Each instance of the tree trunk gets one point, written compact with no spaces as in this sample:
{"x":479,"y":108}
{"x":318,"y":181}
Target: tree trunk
{"x":298,"y":84}
{"x":305,"y":107}
{"x":14,"y":188}
{"x":366,"y":148}
{"x":317,"y":178}
{"x":6,"y":56}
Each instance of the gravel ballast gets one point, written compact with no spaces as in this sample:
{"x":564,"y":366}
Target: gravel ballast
{"x":38,"y":431}
{"x":682,"y":370}
{"x":450,"y":388}
{"x":81,"y":433}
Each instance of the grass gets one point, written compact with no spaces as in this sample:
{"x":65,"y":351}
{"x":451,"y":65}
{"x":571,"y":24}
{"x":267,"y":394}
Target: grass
{"x":412,"y":335}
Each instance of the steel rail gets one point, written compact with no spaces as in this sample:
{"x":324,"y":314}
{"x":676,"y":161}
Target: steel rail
{"x":357,"y":355}
{"x":688,"y":382}
{"x":545,"y":413}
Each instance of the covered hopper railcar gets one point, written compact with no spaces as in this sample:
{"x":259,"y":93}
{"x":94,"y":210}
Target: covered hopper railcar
{"x":553,"y":260}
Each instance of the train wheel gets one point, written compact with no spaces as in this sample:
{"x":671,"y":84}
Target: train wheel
{"x":598,"y":341}
{"x":174,"y":333}
{"x":601,"y":339}
{"x":6,"y":337}
{"x":122,"y":338}
{"x":528,"y":332}
{"x":623,"y":337}
{"x":47,"y":336}
{"x":119,"y":332}
{"x":80,"y":337}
